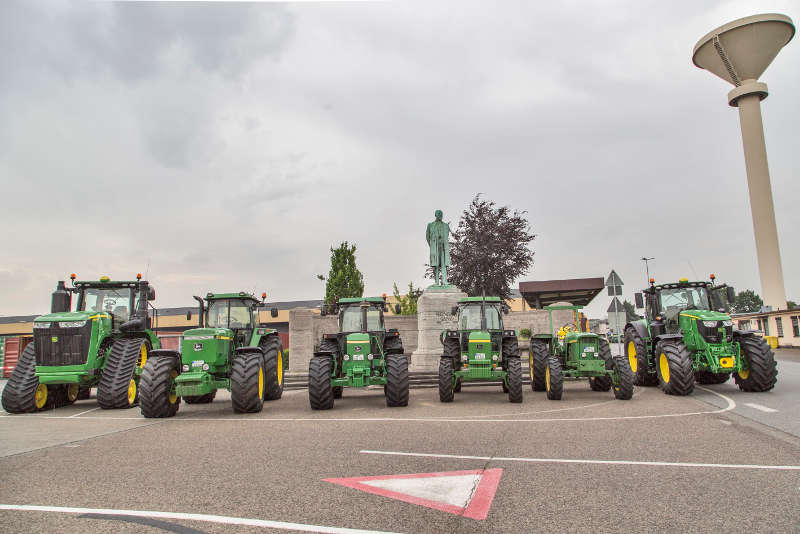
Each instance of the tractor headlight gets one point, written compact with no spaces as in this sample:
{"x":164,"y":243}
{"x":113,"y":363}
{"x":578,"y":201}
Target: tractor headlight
{"x":494,"y":357}
{"x":727,"y":323}
{"x":710,"y":324}
{"x":464,"y":357}
{"x":185,"y":368}
{"x":205,"y":367}
{"x":369,"y":356}
{"x":347,"y":357}
{"x":72,"y":324}
{"x":41,"y":325}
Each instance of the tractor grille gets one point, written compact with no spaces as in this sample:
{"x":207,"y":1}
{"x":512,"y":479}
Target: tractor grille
{"x":71,"y":345}
{"x":713,"y":335}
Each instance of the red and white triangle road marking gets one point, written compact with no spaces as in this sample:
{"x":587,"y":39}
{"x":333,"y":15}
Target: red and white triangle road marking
{"x":465,"y":493}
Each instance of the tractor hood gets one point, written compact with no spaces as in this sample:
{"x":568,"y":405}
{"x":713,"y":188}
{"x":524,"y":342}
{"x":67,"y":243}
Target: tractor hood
{"x":206,"y":333}
{"x":706,"y":315}
{"x":69,"y":316}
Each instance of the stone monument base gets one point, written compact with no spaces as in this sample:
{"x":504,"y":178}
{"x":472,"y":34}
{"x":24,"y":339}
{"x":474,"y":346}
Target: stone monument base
{"x":433,"y":315}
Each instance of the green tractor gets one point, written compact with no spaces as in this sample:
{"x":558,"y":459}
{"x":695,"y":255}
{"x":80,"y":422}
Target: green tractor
{"x":569,"y":352}
{"x":229,"y":350}
{"x":480,"y":350}
{"x":361,"y":354}
{"x":104,"y":343}
{"x":687,"y":336}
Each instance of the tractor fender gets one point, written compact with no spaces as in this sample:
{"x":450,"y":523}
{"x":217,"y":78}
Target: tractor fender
{"x":165,"y":353}
{"x":745,"y":333}
{"x":665,"y":337}
{"x":509,"y":334}
{"x":448,"y":333}
{"x":640,"y":327}
{"x":241,"y":351}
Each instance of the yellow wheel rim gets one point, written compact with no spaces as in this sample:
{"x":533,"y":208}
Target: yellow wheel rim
{"x":280,"y":368}
{"x":40,"y":396}
{"x":663,"y":364}
{"x":72,"y":392}
{"x":632,"y":356}
{"x":143,"y":355}
{"x":260,"y":382}
{"x":744,"y":374}
{"x":547,"y":378}
{"x":173,"y":397}
{"x":131,"y":391}
{"x":530,"y":365}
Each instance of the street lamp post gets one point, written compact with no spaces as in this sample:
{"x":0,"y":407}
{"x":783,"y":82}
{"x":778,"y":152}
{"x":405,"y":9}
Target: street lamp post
{"x":647,"y":268}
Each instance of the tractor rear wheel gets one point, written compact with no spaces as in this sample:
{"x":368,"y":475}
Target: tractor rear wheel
{"x":320,"y":393}
{"x":514,"y":377}
{"x":707,"y":377}
{"x":247,"y":383}
{"x":338,"y":391}
{"x":636,"y":352}
{"x":118,"y":386}
{"x":198,"y":399}
{"x":396,"y":380}
{"x":553,"y":378}
{"x":273,"y":368}
{"x":156,"y":388}
{"x":674,"y":368}
{"x":600,"y":383}
{"x":537,"y":363}
{"x":623,"y":391}
{"x":445,"y":379}
{"x":23,"y":393}
{"x":762,"y":370}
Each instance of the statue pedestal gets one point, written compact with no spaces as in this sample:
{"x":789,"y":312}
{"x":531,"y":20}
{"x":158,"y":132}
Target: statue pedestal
{"x":433,"y":316}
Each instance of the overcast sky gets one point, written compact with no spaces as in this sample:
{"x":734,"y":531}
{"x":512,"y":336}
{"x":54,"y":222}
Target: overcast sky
{"x":228,"y":146}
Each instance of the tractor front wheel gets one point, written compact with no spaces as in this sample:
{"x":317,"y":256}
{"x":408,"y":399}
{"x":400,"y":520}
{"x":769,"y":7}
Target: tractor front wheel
{"x":320,"y":393}
{"x":624,"y":390}
{"x":636,"y":352}
{"x":247,"y":383}
{"x":761,"y":371}
{"x":514,"y":377}
{"x":396,"y":380}
{"x":674,"y":368}
{"x":446,"y":379}
{"x":84,"y":393}
{"x":338,"y":391}
{"x":553,"y":378}
{"x":157,"y":396}
{"x":23,"y":393}
{"x":537,"y":364}
{"x":709,"y":378}
{"x":600,"y":383}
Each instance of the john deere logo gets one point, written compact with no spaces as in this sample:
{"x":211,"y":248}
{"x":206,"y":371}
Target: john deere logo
{"x":198,"y":346}
{"x":357,"y":348}
{"x":54,"y":339}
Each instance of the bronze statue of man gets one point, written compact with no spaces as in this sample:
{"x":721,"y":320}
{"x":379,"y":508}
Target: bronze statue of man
{"x":438,"y":236}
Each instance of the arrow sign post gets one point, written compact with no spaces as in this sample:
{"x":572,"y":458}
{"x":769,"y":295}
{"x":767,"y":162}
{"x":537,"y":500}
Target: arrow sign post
{"x":616,"y":310}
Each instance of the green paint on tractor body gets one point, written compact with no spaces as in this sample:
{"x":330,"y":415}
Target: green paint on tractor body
{"x":480,"y":349}
{"x":687,"y":334}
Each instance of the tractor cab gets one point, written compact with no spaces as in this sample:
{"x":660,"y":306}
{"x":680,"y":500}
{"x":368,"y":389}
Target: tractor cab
{"x":480,"y":328}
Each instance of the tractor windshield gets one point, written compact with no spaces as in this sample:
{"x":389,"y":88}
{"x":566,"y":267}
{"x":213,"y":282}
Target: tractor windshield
{"x":229,"y":314}
{"x":351,"y":319}
{"x":470,"y":317}
{"x":116,"y":301}
{"x":673,"y":301}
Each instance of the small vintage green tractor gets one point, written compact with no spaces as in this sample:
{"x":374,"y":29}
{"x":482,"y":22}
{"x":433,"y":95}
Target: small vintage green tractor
{"x":480,"y":350}
{"x":229,"y":350}
{"x":104,"y":343}
{"x":687,"y":336}
{"x":569,"y":352}
{"x":362,"y":353}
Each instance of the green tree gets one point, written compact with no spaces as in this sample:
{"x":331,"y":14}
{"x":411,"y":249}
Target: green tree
{"x":630,"y":311}
{"x":747,"y":301}
{"x":344,"y":279}
{"x":791,"y":304}
{"x":408,"y":302}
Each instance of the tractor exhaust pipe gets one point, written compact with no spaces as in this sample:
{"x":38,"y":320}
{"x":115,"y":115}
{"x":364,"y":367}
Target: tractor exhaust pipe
{"x":202,"y":310}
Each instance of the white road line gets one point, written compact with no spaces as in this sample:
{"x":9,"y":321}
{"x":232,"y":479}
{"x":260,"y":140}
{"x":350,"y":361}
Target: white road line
{"x":582,"y":461}
{"x":760,"y":407}
{"x":223,"y":519}
{"x":87,"y":411}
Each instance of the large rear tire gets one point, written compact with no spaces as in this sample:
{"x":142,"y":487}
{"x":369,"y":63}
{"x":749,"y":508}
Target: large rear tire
{"x":208,"y":398}
{"x":247,"y":383}
{"x":537,"y":363}
{"x":23,"y":393}
{"x":446,"y":393}
{"x":709,"y":378}
{"x":636,"y":353}
{"x":674,"y":368}
{"x":396,"y":380}
{"x":554,"y":379}
{"x":514,"y":377}
{"x":118,"y":386}
{"x":320,"y":393}
{"x":273,"y":369}
{"x":762,"y":370}
{"x":157,"y":396}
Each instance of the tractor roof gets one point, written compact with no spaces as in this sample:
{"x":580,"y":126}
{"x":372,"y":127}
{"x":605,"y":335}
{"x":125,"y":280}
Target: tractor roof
{"x":355,"y":300}
{"x":478,"y":299}
{"x":239,"y":295}
{"x":107,"y":283}
{"x":683,"y":283}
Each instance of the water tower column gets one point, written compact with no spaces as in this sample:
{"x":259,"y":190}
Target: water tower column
{"x":748,"y":98}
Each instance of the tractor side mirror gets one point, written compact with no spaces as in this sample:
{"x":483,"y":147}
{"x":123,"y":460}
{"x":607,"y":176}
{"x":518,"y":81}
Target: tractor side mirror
{"x":731,"y":294}
{"x":273,"y":312}
{"x":151,"y":294}
{"x":323,"y":310}
{"x":189,"y":315}
{"x":506,"y":309}
{"x":397,"y":309}
{"x":639,"y":301}
{"x":454,"y":310}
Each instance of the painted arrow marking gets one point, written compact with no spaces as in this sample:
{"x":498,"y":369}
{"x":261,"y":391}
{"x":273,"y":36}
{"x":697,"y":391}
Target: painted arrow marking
{"x":466,"y":493}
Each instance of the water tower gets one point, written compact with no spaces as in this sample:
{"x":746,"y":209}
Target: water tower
{"x":739,"y":52}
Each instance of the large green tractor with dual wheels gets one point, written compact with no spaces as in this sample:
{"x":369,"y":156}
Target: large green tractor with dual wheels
{"x":572,"y":353}
{"x":230,"y":350}
{"x":480,"y":349}
{"x":362,"y":353}
{"x":104,"y":342}
{"x":687,"y":336}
